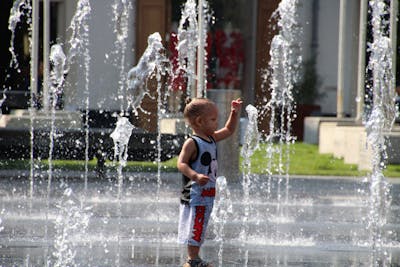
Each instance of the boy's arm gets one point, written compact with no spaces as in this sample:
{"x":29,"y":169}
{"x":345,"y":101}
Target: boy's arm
{"x":188,"y":151}
{"x":231,"y":123}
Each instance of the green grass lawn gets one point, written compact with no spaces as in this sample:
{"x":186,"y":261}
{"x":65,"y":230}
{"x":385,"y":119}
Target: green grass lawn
{"x":79,"y":165}
{"x":303,"y":159}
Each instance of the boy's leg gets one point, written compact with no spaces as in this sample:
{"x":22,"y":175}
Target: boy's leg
{"x":193,"y":252}
{"x":193,"y":258}
{"x":200,"y":216}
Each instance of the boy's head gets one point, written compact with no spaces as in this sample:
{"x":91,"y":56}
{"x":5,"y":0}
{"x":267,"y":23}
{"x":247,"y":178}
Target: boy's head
{"x":197,"y":107}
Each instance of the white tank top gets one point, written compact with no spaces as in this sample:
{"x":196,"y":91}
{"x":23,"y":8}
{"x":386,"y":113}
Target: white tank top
{"x":205,"y":163}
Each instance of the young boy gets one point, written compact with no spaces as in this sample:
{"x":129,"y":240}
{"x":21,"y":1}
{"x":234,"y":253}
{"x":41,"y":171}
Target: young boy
{"x":198,"y":164}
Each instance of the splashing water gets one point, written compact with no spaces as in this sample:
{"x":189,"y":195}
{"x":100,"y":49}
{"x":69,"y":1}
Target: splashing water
{"x":152,"y":63}
{"x":221,"y":212}
{"x":57,"y":75}
{"x":79,"y":27}
{"x":378,"y":123}
{"x":79,"y":42}
{"x":163,"y":69}
{"x":58,"y":59}
{"x":251,"y":144}
{"x":61,"y":64}
{"x":121,"y":10}
{"x":188,"y":40}
{"x":252,"y":136}
{"x":70,"y":225}
{"x":283,"y":75}
{"x":17,"y":11}
{"x":79,"y":45}
{"x":204,"y":18}
{"x":121,"y":136}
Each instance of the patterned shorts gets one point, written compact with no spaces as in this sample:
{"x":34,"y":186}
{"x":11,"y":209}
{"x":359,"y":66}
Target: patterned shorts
{"x":193,"y":221}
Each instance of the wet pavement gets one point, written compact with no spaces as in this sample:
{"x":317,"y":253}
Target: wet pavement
{"x":316,"y":221}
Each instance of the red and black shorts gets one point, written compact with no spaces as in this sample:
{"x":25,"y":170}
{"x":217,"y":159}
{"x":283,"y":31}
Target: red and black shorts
{"x":193,"y":221}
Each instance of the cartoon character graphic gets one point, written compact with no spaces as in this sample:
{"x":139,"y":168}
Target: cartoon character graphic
{"x":207,"y":160}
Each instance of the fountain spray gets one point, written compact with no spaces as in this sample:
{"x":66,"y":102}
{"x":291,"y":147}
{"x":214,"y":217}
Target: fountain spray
{"x":70,"y":225}
{"x":58,"y":60}
{"x":121,"y":10}
{"x":17,"y":11}
{"x":23,"y":8}
{"x":61,"y":64}
{"x":221,"y":212}
{"x":251,"y":144}
{"x":192,"y":35}
{"x":187,"y":43}
{"x":379,"y":122}
{"x":283,"y":74}
{"x":152,"y":64}
{"x":79,"y":45}
{"x":79,"y":38}
{"x":124,"y":128}
{"x":121,"y":136}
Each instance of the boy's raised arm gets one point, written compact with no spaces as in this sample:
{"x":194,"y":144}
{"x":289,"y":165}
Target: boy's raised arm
{"x":231,"y":123}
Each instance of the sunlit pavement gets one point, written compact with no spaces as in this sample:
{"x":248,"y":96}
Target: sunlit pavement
{"x":90,"y":221}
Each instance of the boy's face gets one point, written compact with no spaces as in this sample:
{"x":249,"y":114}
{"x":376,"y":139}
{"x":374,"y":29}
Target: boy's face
{"x":210,"y":120}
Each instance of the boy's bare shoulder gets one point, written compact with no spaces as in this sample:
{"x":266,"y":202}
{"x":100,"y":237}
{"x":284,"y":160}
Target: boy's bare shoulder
{"x":189,"y":150}
{"x":190,"y":144}
{"x":189,"y":141}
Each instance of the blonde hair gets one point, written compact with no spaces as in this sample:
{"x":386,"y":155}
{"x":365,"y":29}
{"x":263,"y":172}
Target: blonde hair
{"x":196,"y":107}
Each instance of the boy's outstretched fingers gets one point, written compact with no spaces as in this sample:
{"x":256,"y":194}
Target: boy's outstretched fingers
{"x":236,"y":104}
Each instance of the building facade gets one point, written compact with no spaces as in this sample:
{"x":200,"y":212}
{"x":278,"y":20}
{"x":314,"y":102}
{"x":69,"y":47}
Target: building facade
{"x":238,"y":51}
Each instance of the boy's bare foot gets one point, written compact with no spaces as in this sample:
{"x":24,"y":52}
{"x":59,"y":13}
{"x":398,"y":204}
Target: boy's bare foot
{"x":197,"y":263}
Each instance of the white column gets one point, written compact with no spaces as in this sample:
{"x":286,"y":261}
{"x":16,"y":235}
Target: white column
{"x":341,"y":58}
{"x":46,"y":53}
{"x":200,"y":52}
{"x":34,"y":49}
{"x":361,"y":59}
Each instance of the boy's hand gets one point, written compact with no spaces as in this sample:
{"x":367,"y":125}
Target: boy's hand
{"x":201,"y":179}
{"x":236,"y":105}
